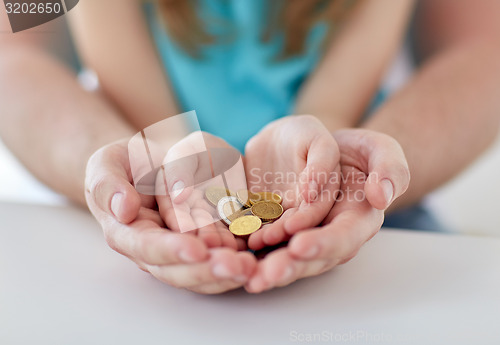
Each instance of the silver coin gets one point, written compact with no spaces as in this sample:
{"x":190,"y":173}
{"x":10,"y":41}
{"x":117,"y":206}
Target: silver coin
{"x":224,"y":207}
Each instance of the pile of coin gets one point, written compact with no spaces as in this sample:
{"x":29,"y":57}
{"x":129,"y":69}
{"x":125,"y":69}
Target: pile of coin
{"x":245,"y":212}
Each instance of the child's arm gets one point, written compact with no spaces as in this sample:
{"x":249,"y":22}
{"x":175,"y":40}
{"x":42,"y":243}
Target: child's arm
{"x":447,"y":115}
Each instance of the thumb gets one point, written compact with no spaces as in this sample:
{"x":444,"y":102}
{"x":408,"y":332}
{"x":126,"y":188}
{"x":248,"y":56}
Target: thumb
{"x":108,"y":188}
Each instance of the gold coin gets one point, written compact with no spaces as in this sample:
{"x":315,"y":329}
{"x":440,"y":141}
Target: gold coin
{"x":265,"y":196}
{"x":240,"y":213}
{"x":245,"y":225}
{"x":267,"y":210}
{"x":228,"y":207}
{"x":244,"y":196}
{"x":214,"y":194}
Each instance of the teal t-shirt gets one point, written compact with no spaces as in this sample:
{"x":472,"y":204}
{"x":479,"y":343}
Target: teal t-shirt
{"x":238,"y":86}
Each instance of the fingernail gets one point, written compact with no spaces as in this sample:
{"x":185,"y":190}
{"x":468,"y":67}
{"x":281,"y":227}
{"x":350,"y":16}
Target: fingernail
{"x":221,"y":271}
{"x":186,"y":257}
{"x":177,"y":189}
{"x":313,"y":190}
{"x":311,"y":253}
{"x":116,"y":202}
{"x":388,"y":190}
{"x":287,"y":275}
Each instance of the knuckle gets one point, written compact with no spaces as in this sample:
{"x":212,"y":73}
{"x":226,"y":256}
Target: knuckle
{"x":97,"y":186}
{"x":141,"y":249}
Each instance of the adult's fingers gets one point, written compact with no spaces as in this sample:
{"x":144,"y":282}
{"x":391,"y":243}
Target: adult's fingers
{"x":108,"y":184}
{"x":222,"y":266}
{"x":145,"y":241}
{"x":313,"y":252}
{"x":339,"y":240}
{"x":279,"y":268}
{"x":248,"y":263}
{"x":384,"y":163}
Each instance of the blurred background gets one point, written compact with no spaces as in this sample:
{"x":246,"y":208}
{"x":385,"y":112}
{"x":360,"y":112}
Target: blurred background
{"x":467,"y":205}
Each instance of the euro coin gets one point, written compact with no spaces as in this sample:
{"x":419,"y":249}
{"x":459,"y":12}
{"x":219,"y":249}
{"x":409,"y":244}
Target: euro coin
{"x":267,"y":210}
{"x":265,"y":196}
{"x":238,"y":214}
{"x":245,"y":225}
{"x":228,"y":208}
{"x":214,"y":194}
{"x":244,"y":196}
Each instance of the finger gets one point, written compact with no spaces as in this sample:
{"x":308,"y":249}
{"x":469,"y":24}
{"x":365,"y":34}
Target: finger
{"x":280,"y":269}
{"x":211,"y":236}
{"x":309,"y":215}
{"x":272,"y":268}
{"x":249,"y":263}
{"x":276,"y":233}
{"x":387,"y":168}
{"x":143,"y":240}
{"x":241,"y":244}
{"x":321,"y":164}
{"x":224,"y":264}
{"x":108,"y":184}
{"x":338,"y":240}
{"x":271,"y":234}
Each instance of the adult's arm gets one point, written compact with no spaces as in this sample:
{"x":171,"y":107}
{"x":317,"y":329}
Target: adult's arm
{"x":450,"y":112}
{"x":48,"y":121}
{"x":447,"y":115}
{"x":113,"y":40}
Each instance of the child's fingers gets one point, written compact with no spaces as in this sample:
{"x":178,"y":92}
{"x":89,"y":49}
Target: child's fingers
{"x":321,"y":167}
{"x":271,"y":234}
{"x":309,"y":215}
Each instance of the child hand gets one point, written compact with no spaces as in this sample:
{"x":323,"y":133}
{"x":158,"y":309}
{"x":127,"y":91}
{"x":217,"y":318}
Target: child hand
{"x":297,"y":158}
{"x":196,"y":162}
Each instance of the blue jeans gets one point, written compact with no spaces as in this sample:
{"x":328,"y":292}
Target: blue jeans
{"x":414,"y":218}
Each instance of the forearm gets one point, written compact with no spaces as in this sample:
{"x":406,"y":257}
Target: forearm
{"x":342,"y":85}
{"x":49,"y":122}
{"x":446,"y":116}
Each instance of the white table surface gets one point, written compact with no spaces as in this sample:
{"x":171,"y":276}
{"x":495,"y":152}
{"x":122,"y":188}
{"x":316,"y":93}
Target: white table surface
{"x":61,"y":284}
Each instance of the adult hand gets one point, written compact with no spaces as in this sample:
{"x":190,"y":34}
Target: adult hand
{"x":133,"y":227}
{"x":374,"y":174}
{"x":297,"y":158}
